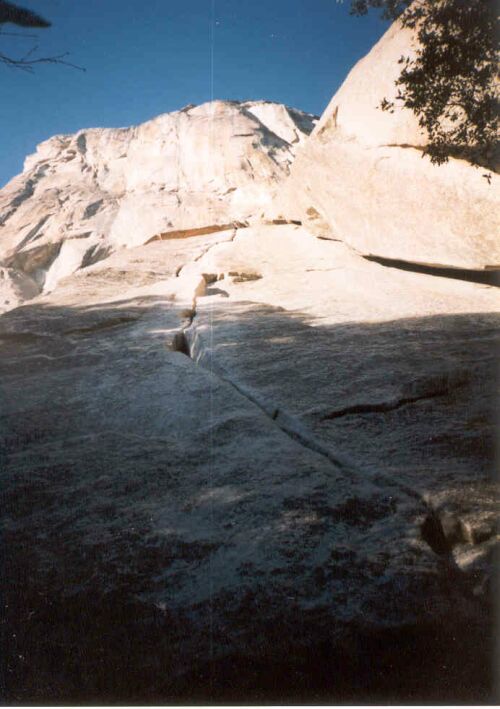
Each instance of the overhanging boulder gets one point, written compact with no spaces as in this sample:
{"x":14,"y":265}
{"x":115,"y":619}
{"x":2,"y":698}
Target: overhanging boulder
{"x":362,"y":172}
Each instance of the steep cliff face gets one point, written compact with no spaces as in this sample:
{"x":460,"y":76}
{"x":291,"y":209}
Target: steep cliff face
{"x":83,"y":196}
{"x":362,"y":177}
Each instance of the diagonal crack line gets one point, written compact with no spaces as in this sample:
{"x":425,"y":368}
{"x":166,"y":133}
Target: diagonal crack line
{"x":188,"y":344}
{"x":205,"y":251}
{"x":295,"y":429}
{"x":212,"y":246}
{"x":284,"y":421}
{"x":383,"y":406}
{"x":431,"y":528}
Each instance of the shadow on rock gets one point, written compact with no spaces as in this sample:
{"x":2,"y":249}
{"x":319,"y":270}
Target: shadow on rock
{"x":166,"y":540}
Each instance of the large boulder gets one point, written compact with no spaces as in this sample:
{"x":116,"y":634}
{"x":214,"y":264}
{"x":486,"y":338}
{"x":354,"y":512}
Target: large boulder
{"x":361,"y":176}
{"x":86,"y":195}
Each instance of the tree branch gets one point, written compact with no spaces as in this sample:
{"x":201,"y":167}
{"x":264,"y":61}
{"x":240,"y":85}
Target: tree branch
{"x":26,"y":64}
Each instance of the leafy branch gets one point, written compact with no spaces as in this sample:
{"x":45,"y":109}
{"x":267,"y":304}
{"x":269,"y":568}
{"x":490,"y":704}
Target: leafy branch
{"x":451,"y":83}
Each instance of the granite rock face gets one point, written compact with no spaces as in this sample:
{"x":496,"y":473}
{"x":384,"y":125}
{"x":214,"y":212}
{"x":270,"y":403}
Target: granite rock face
{"x":363,"y":168}
{"x":248,"y":465}
{"x":15,"y":287}
{"x":241,"y":462}
{"x":83,"y":196}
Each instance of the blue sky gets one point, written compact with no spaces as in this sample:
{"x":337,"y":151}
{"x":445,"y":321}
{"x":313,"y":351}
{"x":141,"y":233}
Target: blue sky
{"x":146,"y":57}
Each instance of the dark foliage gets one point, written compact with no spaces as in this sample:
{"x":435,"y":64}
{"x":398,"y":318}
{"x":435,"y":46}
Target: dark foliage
{"x":13,"y":14}
{"x":390,"y":8}
{"x":451,"y":82}
{"x":20,"y":16}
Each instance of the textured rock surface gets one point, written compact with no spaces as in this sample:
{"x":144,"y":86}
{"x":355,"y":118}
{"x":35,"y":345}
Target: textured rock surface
{"x":403,"y":359}
{"x":363,"y":177}
{"x":241,"y":462}
{"x":264,"y":517}
{"x":15,"y":287}
{"x":83,"y":196}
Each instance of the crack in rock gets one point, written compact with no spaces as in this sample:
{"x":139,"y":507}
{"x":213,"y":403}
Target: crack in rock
{"x":199,"y":231}
{"x":489,"y":276}
{"x":242,"y":277}
{"x":294,"y":428}
{"x":25,"y":193}
{"x":34,"y":232}
{"x":180,"y":343}
{"x":432,"y":529}
{"x":205,"y":251}
{"x":433,"y":534}
{"x":383,"y":406}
